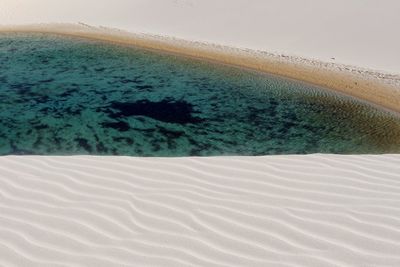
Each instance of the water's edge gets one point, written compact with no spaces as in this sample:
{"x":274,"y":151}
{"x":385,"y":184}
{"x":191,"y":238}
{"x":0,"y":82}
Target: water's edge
{"x":377,"y":88}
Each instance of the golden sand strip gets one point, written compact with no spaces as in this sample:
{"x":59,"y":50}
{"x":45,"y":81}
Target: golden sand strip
{"x":375,"y":87}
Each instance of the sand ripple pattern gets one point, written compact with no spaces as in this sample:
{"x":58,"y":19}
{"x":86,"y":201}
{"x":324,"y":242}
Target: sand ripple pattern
{"x":318,"y":210}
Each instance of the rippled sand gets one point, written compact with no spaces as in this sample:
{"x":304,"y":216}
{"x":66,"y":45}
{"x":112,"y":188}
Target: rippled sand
{"x":315,"y":210}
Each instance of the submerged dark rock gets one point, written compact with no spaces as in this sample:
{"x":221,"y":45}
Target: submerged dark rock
{"x":170,"y":111}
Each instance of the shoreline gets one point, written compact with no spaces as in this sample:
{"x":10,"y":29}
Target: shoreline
{"x":378,"y":88}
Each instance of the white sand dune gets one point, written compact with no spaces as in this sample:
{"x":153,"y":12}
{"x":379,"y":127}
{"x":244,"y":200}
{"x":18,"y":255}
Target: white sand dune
{"x":318,"y":210}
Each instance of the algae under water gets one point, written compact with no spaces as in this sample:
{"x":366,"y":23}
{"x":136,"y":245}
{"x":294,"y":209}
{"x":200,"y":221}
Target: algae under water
{"x":68,"y":96}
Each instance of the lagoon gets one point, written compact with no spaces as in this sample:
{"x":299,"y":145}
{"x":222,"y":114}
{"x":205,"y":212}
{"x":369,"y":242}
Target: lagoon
{"x":70,"y":96}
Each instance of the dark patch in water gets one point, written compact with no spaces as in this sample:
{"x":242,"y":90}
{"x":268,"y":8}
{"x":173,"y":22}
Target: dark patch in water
{"x":46,"y":81}
{"x":68,"y":93}
{"x":144,"y":87}
{"x":84,"y":143}
{"x":101,"y":148}
{"x":42,"y":99}
{"x":41,"y":127}
{"x":124,"y":80}
{"x":22,"y":88}
{"x":166,"y":110}
{"x":120,"y":125}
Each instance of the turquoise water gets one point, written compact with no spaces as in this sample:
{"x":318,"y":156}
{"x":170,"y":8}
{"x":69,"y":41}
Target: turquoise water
{"x":64,"y":96}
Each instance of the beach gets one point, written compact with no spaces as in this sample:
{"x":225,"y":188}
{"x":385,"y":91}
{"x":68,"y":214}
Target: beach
{"x":304,"y":210}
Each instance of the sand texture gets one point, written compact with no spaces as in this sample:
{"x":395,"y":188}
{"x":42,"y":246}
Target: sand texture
{"x":317,"y":210}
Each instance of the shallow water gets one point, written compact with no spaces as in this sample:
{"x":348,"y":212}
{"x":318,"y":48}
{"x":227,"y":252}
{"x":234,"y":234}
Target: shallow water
{"x":64,"y":96}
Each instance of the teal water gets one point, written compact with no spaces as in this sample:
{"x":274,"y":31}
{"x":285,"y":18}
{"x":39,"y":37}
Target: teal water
{"x":64,"y":96}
